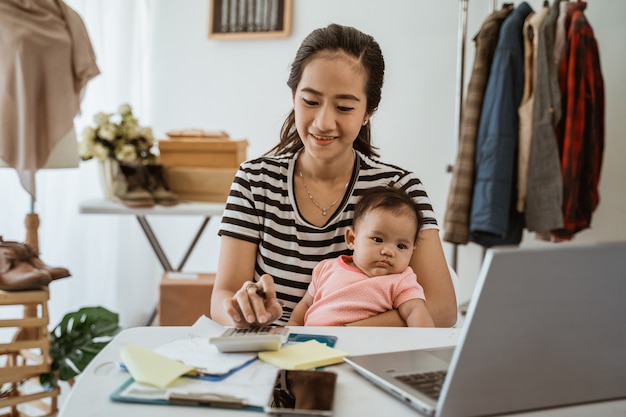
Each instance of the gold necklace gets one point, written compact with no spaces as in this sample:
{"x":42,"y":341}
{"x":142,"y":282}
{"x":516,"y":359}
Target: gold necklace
{"x":323,"y":210}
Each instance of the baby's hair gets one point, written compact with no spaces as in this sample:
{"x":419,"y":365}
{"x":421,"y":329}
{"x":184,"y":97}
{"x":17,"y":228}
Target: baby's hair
{"x":387,"y":198}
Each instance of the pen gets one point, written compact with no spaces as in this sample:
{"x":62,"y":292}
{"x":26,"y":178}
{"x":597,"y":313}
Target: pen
{"x":261,"y":293}
{"x":216,"y":400}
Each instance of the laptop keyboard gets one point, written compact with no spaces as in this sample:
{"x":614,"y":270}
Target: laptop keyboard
{"x":428,"y":383}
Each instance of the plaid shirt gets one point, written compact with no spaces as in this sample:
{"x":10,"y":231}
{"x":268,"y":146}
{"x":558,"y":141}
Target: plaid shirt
{"x":544,"y":199}
{"x":456,"y":220}
{"x":580,"y":135}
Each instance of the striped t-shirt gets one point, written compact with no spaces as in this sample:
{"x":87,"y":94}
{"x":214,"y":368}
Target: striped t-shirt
{"x":261,"y":208}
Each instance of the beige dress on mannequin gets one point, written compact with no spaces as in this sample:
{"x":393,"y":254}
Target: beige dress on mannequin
{"x":46,"y":60}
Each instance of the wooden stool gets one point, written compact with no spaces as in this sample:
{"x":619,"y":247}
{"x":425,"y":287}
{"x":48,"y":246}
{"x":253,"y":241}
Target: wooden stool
{"x":26,"y":356}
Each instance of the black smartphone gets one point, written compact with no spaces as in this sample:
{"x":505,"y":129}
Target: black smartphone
{"x":302,"y":393}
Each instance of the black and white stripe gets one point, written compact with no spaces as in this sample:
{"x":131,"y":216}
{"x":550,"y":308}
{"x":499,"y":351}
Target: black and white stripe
{"x":261,"y":209}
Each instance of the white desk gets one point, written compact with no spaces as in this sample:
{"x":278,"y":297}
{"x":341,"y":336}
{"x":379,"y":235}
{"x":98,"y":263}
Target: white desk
{"x":205,"y":210}
{"x":354,"y":396}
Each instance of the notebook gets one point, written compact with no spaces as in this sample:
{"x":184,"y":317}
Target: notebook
{"x":545,"y":328}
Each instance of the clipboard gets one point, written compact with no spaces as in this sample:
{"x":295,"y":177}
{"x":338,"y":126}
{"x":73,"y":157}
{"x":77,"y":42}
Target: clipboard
{"x":199,"y":400}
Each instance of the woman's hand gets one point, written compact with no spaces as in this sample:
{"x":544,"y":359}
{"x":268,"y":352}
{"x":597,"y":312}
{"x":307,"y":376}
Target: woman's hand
{"x":254,"y":304}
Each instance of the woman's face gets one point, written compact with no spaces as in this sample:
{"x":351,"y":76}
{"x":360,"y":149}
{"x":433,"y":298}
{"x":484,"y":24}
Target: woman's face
{"x":330,"y":104}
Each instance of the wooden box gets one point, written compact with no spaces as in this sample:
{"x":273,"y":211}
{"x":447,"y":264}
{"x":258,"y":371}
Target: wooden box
{"x":200,"y":184}
{"x":184,"y":297}
{"x":203,"y":153}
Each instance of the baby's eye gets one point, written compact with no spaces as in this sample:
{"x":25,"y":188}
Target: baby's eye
{"x":402,"y":246}
{"x":377,"y":239}
{"x":309,"y":102}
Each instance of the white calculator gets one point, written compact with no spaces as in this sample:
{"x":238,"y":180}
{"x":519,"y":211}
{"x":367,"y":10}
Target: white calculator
{"x":251,"y":339}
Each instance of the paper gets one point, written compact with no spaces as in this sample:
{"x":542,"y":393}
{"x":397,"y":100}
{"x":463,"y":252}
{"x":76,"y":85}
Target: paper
{"x":203,"y":356}
{"x":195,"y":350}
{"x":151,"y":368}
{"x":306,"y":355}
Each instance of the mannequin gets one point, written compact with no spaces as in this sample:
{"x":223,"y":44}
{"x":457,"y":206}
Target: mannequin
{"x":46,"y":60}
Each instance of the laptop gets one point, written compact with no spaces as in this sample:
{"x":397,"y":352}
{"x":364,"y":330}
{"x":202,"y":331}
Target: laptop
{"x":545,"y":328}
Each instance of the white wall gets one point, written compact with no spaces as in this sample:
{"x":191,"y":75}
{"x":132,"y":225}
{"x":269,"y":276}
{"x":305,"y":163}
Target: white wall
{"x":239,"y":86}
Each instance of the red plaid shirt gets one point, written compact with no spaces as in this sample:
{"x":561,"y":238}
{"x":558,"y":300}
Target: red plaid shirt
{"x":580,"y":135}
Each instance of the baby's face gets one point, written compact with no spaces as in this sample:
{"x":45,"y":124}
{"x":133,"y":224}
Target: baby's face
{"x":383,"y":242}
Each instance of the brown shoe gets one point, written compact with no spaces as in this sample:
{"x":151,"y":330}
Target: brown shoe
{"x":16,"y":273}
{"x":159,"y":187}
{"x":133,"y":190}
{"x":28,"y":254}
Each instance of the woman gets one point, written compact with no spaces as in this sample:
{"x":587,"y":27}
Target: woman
{"x":288,"y":210}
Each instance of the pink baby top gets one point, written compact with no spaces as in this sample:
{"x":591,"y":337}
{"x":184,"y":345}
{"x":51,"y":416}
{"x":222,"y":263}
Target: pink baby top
{"x":343,"y":294}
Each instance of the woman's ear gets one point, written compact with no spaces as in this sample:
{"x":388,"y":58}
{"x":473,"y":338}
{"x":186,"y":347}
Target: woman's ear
{"x":366,"y":119}
{"x":350,"y":236}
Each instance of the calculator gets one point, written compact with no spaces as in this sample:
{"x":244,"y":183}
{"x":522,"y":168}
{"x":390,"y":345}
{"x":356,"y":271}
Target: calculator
{"x":251,"y":339}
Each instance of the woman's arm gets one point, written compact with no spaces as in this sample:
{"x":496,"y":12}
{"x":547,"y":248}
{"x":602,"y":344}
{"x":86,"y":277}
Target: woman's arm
{"x":430,"y":266}
{"x":232,"y":302}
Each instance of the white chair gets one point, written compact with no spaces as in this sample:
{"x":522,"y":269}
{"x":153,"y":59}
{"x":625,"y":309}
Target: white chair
{"x":456,"y":285}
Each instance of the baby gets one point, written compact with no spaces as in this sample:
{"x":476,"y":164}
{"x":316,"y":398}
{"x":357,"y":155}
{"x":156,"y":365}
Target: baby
{"x":377,"y":277}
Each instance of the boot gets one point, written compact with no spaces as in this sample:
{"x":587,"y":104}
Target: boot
{"x":16,"y":273}
{"x":158,"y":186}
{"x":56,"y":272}
{"x":133,"y":190}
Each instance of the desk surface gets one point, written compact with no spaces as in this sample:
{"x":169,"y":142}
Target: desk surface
{"x":103,"y":206}
{"x":355,"y":396}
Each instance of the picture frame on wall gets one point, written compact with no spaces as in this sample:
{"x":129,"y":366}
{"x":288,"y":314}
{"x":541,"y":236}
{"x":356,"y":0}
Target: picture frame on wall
{"x":247,"y":19}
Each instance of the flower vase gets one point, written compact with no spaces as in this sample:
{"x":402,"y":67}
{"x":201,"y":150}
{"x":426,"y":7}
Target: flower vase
{"x":110,"y":176}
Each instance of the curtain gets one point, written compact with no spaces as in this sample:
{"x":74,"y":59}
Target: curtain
{"x":111,"y":263}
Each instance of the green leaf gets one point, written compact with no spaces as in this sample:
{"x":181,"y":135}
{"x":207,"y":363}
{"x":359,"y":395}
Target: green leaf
{"x":76,"y":340}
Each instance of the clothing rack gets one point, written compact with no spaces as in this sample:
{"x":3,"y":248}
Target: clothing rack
{"x":460,"y":91}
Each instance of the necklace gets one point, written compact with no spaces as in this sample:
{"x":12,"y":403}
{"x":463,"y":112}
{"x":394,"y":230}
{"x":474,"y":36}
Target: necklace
{"x":324,"y":210}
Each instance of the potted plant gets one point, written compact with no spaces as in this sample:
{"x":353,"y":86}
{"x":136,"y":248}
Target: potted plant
{"x":76,"y":340}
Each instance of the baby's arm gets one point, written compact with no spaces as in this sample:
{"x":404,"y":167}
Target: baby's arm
{"x":297,"y":315}
{"x":415,"y":313}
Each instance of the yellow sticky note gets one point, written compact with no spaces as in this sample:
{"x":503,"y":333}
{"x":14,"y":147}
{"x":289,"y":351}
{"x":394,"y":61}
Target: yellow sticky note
{"x":306,"y":355}
{"x":151,"y":368}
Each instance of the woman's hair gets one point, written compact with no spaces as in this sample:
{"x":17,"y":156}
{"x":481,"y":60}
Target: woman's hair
{"x":357,"y":44}
{"x":387,"y":198}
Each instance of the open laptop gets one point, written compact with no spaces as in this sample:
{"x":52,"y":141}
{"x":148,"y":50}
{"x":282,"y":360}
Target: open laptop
{"x":546,"y":327}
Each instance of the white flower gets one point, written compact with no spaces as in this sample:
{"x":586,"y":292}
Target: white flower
{"x":126,"y":153}
{"x":89,"y":134}
{"x":84,"y":150}
{"x":146,"y":133}
{"x":100,"y":151}
{"x":125,"y":109}
{"x":107,"y":132}
{"x":118,"y":136}
{"x":132,"y":130}
{"x":101,"y":119}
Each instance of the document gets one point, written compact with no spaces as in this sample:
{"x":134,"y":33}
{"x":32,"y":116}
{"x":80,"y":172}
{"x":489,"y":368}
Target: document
{"x":195,"y":350}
